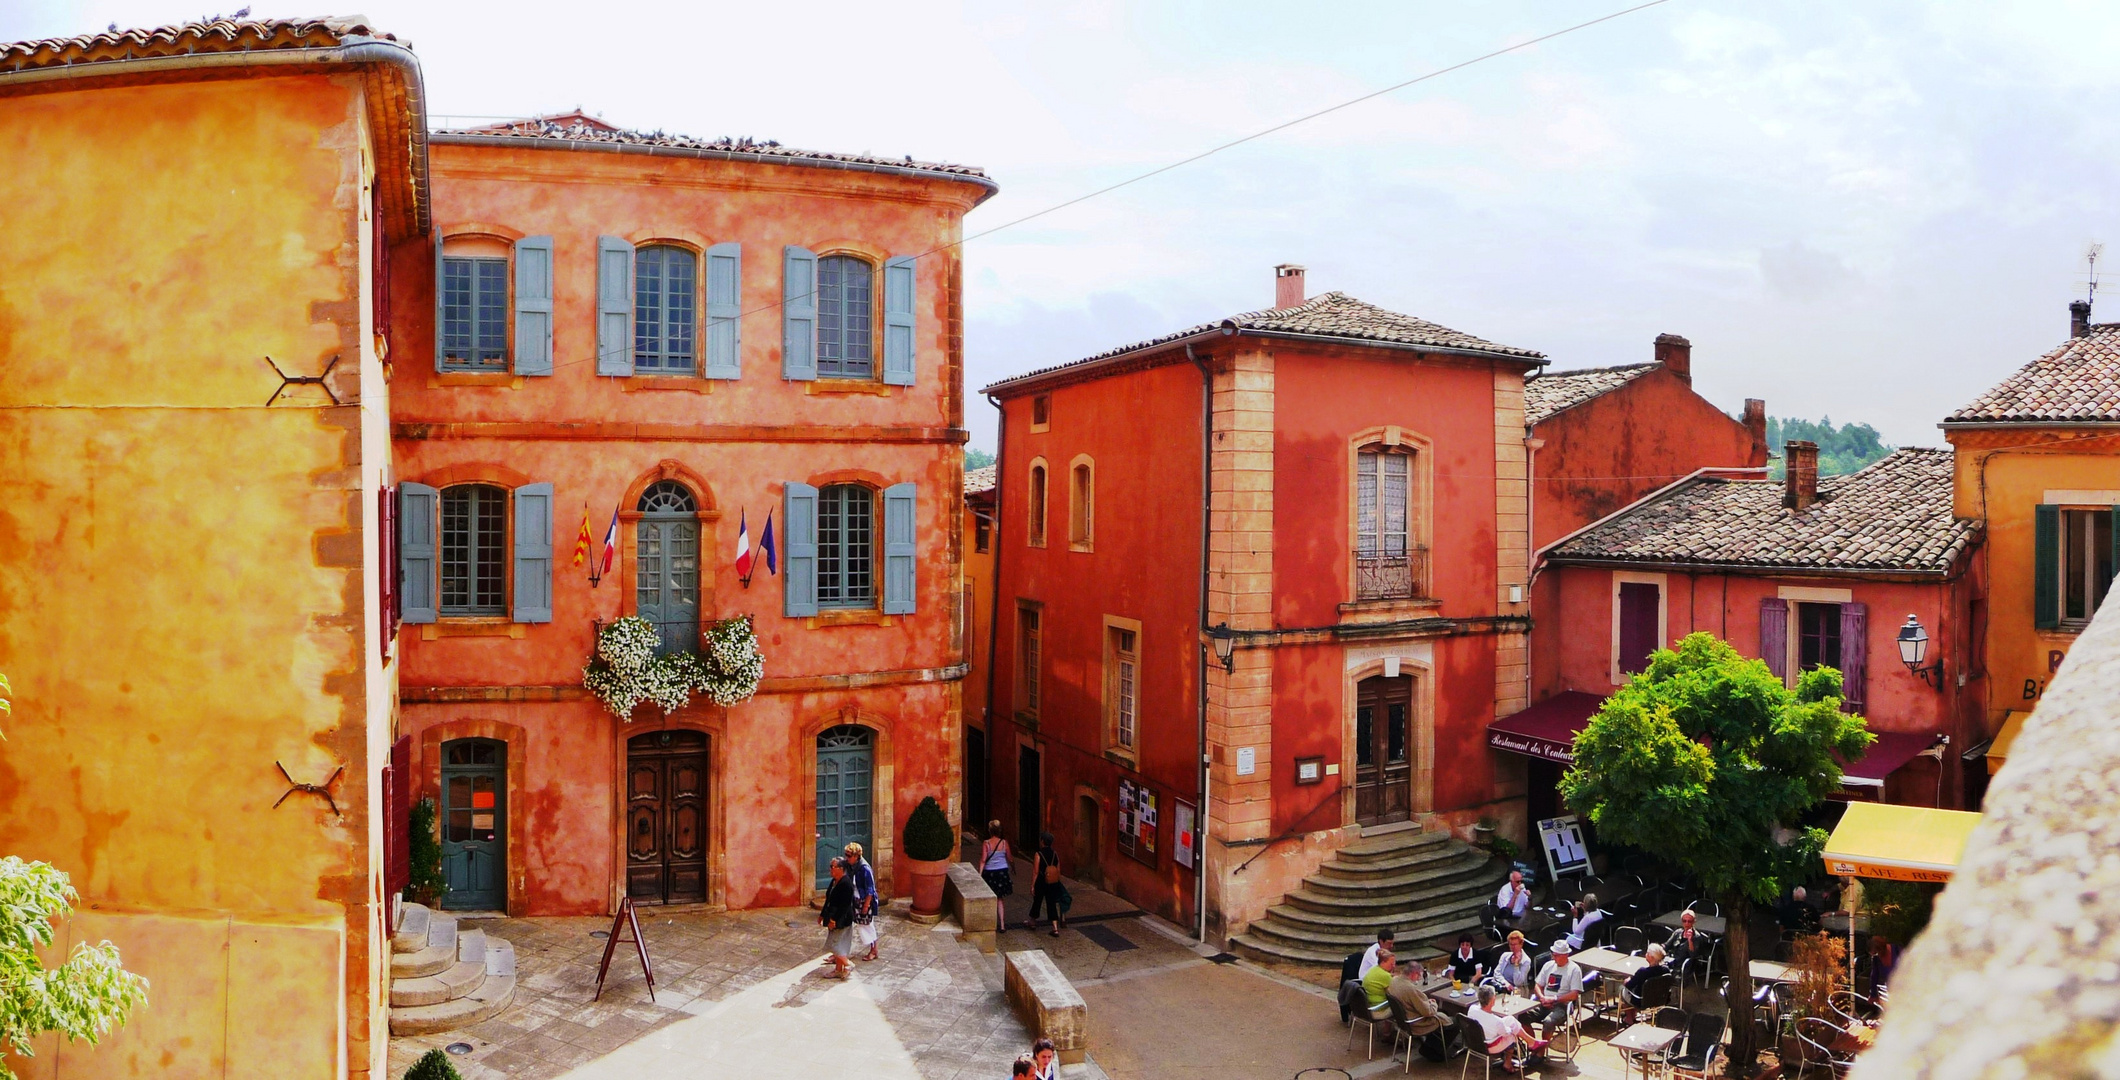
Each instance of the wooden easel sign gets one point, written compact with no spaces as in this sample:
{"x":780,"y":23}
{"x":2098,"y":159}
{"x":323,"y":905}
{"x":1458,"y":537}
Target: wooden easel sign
{"x":626,"y":920}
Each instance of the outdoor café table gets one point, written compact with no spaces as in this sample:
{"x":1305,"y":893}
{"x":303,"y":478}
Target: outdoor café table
{"x":1706,"y":924}
{"x":1637,"y":1043}
{"x":1772,"y":971}
{"x":1459,"y":1001}
{"x":1610,"y":961}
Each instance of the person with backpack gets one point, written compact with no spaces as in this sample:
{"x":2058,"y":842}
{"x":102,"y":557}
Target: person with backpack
{"x":1046,"y":887}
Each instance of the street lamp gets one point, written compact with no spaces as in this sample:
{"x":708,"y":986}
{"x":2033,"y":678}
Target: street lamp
{"x":1225,"y":641}
{"x":1913,"y":647}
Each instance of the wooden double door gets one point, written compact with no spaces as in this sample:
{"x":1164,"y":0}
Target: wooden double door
{"x":666,"y":817}
{"x":1383,"y":750}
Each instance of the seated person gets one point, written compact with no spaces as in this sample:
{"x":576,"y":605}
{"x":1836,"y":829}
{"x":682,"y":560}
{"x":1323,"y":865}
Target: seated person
{"x":1503,"y":1032}
{"x":1421,"y":1017}
{"x":1587,"y":916}
{"x":1631,"y":990}
{"x":1387,"y":941}
{"x":1795,"y":911}
{"x":1464,"y":966}
{"x":1687,"y":944}
{"x":1557,"y":987}
{"x":1512,"y":971}
{"x":1377,"y":984}
{"x":1513,"y":901}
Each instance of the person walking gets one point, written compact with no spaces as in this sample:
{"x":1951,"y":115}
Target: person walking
{"x":1045,"y":1059}
{"x":866,"y":900}
{"x":1023,"y":1067}
{"x":837,"y":918}
{"x":994,"y":858}
{"x":1046,"y":887}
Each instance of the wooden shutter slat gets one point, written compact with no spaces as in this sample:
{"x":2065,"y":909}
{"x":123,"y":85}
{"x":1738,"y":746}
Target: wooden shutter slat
{"x":724,"y":311}
{"x":1774,"y":635}
{"x":798,"y":313}
{"x":898,"y":352}
{"x":418,"y":507}
{"x":533,"y":305}
{"x":533,"y":554}
{"x":798,"y":517}
{"x":614,"y":306}
{"x":2046,"y":567}
{"x":900,"y":501}
{"x":1854,"y":655}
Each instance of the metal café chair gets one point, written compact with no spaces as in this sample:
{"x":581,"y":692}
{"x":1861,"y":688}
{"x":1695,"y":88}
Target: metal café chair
{"x":1370,"y":1018}
{"x":1630,"y":940}
{"x":1475,"y":1039}
{"x":1852,"y":1008}
{"x":1818,"y":1039}
{"x":1704,"y":1033}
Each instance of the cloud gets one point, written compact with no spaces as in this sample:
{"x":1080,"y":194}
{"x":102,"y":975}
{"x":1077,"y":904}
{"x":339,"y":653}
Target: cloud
{"x":1796,"y":272}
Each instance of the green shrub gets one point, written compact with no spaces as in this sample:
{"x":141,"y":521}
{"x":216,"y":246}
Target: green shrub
{"x":427,"y":885}
{"x":928,"y":836}
{"x":433,"y":1065}
{"x":1504,"y":847}
{"x":1898,"y":910}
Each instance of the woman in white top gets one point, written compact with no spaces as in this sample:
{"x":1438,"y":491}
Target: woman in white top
{"x":994,"y":857}
{"x":1045,"y":1061}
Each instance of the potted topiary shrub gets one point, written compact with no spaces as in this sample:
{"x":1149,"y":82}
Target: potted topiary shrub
{"x":929,"y":845}
{"x":433,"y":1065}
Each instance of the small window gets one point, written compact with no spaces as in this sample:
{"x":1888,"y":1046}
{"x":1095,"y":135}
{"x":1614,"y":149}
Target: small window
{"x":982,"y":534}
{"x":1037,"y":501}
{"x":1387,"y":566}
{"x":1641,"y":608}
{"x":664,"y":280}
{"x":1041,"y":412}
{"x":1081,"y":489}
{"x":1027,"y":661}
{"x":2086,"y":562}
{"x":846,"y":546}
{"x":845,"y":318}
{"x":1817,"y":636}
{"x":474,"y":313}
{"x":1122,"y":688}
{"x":474,"y":550}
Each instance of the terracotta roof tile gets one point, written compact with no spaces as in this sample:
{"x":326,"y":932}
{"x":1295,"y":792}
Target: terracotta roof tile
{"x":1894,"y":515}
{"x":215,"y":35}
{"x":1555,"y":391}
{"x":979,"y":480}
{"x":2078,"y":382}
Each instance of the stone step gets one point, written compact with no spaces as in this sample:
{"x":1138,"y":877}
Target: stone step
{"x":1252,"y":948}
{"x":427,"y":961}
{"x":1381,"y":911}
{"x":1424,"y":926}
{"x":486,"y":1002}
{"x":411,"y":933}
{"x":455,"y":981}
{"x":1444,"y":890}
{"x":1462,"y":866}
{"x":1371,"y":848}
{"x":1395,"y":863}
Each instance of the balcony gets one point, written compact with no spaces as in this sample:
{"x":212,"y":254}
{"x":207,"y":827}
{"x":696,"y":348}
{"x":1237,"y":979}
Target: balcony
{"x":1392,"y":577}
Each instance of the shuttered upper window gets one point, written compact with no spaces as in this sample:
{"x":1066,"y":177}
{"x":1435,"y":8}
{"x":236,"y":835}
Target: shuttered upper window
{"x":846,"y":546}
{"x":665,"y":283}
{"x":474,"y":550}
{"x":845,"y":318}
{"x":474,"y":313}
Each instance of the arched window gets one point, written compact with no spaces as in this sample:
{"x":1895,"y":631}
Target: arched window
{"x":1037,"y":506}
{"x":845,"y":318}
{"x":1081,"y":496}
{"x":666,"y":563}
{"x":846,"y":546}
{"x":474,"y":550}
{"x":664,"y":280}
{"x":1389,"y":564}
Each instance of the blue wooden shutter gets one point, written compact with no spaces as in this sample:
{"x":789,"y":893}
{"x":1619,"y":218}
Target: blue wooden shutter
{"x":439,"y":351}
{"x":2046,"y":567}
{"x":798,"y":516}
{"x":533,"y":553}
{"x":418,"y":506}
{"x":533,"y":305}
{"x":798,"y":316}
{"x":724,"y":311}
{"x":614,"y":306}
{"x":1774,"y":635}
{"x":1854,"y":655}
{"x":898,"y":351}
{"x":898,"y":558}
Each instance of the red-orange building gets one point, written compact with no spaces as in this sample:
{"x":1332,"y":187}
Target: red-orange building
{"x":1261,"y":587}
{"x":690,"y":336}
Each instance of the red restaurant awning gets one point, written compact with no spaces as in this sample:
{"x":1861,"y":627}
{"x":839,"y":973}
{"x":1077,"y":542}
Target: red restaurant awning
{"x":1546,"y":730}
{"x":1884,"y":757}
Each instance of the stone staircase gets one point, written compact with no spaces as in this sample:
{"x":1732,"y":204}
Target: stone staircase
{"x":442,"y":978}
{"x":1424,"y":885}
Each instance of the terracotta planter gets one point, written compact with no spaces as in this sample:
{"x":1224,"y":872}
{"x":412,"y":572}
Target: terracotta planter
{"x":928,"y":876}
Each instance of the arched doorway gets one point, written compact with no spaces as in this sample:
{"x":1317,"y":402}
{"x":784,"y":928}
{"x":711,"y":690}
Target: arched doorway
{"x":1383,"y":750}
{"x":1089,"y":830}
{"x":666,"y":817}
{"x":666,"y":563}
{"x":474,"y":817}
{"x":846,"y":770}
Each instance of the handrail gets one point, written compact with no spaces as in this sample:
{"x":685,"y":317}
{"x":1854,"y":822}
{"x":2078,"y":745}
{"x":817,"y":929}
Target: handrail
{"x":1291,"y":832}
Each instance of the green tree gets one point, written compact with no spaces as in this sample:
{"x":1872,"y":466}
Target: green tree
{"x":1707,"y":761}
{"x":1841,"y":450}
{"x":975,"y":458}
{"x":82,"y":998}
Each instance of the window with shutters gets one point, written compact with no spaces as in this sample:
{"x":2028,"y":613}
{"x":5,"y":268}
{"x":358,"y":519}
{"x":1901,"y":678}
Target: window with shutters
{"x":982,"y":533}
{"x":1029,"y":658}
{"x":1035,"y":534}
{"x":1637,"y":621}
{"x":665,"y":309}
{"x":846,"y":546}
{"x":474,"y":313}
{"x":1817,"y":636}
{"x":1122,"y":684}
{"x":666,"y":563}
{"x":1390,"y":563}
{"x":846,"y":326}
{"x":1081,"y":503}
{"x":474,"y":547}
{"x":2085,"y":563}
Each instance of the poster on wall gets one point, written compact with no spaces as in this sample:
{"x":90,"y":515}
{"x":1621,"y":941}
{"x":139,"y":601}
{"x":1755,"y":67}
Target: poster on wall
{"x":1145,"y":812}
{"x":1126,"y":816}
{"x":1181,"y":848}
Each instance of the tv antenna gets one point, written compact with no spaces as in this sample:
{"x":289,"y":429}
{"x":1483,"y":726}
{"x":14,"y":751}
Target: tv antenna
{"x":2090,"y":258}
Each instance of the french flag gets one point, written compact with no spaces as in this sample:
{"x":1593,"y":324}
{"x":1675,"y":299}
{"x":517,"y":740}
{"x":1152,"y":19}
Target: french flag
{"x":743,"y":546}
{"x":610,"y":553}
{"x":765,"y":544}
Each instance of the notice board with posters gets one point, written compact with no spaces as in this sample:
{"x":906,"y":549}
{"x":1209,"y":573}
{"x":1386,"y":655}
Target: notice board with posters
{"x":1137,"y":821}
{"x":1566,"y":851}
{"x":1182,"y":841}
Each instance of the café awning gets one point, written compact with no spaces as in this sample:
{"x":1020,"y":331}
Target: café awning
{"x":1546,"y":730}
{"x":1999,"y":747}
{"x":1898,"y":843}
{"x":1884,"y":757}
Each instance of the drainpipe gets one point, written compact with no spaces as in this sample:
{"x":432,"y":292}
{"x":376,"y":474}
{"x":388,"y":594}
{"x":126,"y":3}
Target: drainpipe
{"x":1207,"y":450}
{"x":993,"y":618}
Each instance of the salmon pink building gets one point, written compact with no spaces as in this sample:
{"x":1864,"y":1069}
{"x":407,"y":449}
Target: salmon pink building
{"x":1261,"y":591}
{"x":680,"y":341}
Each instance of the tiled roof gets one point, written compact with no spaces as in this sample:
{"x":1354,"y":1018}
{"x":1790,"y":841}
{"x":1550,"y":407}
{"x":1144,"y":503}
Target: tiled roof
{"x":183,"y":39}
{"x":979,"y":480}
{"x":2078,"y":382}
{"x":578,"y":127}
{"x":1330,"y":315}
{"x":1894,"y":515}
{"x":1553,"y":391}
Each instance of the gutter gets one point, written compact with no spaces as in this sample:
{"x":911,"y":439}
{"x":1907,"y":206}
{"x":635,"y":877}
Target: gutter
{"x":354,"y":51}
{"x":993,"y":618}
{"x":1207,"y":517}
{"x":989,"y":186}
{"x":1769,"y":569}
{"x":2018,"y":425}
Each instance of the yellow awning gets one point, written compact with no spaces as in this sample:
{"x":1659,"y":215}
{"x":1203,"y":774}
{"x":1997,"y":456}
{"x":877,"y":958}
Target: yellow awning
{"x":2012,"y":723}
{"x":1899,"y":843}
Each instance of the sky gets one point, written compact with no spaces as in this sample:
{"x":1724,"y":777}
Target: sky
{"x":1870,"y":212}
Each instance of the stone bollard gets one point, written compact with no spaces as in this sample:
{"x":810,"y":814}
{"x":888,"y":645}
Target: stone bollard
{"x":1047,"y":1003}
{"x":968,"y":899}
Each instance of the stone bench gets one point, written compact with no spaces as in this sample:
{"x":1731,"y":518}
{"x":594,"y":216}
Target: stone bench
{"x":1047,"y":1003}
{"x":968,"y":899}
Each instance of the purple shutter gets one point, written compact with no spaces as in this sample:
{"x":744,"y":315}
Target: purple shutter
{"x":1774,"y":635}
{"x":1854,"y":655}
{"x":1638,"y":604}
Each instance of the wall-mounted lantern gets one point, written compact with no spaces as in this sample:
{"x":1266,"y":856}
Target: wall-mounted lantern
{"x":1913,"y":648}
{"x":1225,"y":641}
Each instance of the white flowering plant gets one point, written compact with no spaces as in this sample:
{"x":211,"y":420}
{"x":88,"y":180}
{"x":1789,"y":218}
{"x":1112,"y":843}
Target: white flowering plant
{"x":629,"y":668}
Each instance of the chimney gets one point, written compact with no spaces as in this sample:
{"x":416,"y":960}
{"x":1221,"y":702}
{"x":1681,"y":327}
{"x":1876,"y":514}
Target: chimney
{"x":1287,"y":285}
{"x":1755,"y":421}
{"x":1801,"y":472}
{"x":2079,"y":317}
{"x":1676,"y":353}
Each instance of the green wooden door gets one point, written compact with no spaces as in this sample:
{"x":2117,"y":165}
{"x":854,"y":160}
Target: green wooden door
{"x":846,"y":760}
{"x":474,"y":824}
